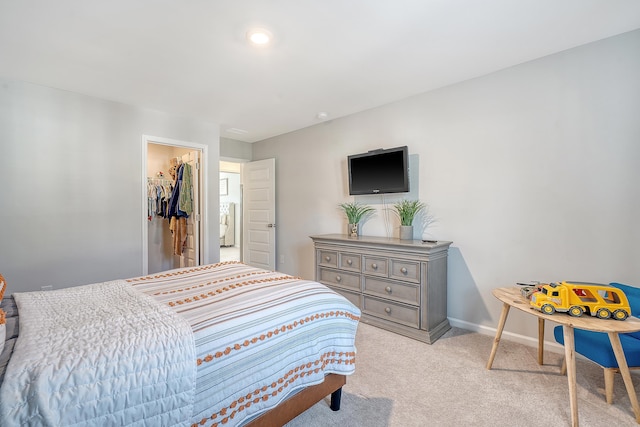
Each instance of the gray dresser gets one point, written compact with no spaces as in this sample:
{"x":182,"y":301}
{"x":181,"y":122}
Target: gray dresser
{"x":399,"y":285}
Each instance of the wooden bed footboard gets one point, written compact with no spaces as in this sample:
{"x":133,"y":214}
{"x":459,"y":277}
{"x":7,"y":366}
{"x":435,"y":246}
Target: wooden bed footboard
{"x":303,"y":400}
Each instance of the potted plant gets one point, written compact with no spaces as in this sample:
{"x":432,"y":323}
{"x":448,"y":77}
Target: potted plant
{"x":407,"y":211}
{"x":355,"y":212}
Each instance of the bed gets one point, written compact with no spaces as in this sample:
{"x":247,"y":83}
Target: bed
{"x":221,"y":344}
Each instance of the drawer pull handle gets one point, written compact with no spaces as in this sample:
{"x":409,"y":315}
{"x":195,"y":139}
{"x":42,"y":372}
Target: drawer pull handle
{"x":403,"y":270}
{"x":349,"y":261}
{"x":388,"y":289}
{"x":374,"y":266}
{"x":327,"y":258}
{"x":338,"y":278}
{"x":387,"y":310}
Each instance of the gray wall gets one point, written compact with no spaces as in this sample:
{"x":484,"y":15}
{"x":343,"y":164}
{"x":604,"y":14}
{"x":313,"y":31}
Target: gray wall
{"x":232,"y":149}
{"x":71,"y":197}
{"x":532,"y":172}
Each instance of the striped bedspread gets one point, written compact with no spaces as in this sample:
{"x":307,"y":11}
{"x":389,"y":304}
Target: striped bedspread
{"x":260,"y":335}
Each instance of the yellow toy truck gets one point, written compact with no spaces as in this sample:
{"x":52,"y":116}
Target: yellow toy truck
{"x":576,"y":298}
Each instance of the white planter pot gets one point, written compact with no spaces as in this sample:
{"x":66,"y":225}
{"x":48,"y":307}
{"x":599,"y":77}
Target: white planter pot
{"x":406,"y":232}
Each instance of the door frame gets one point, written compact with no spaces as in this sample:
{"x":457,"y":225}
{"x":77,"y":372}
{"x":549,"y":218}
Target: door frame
{"x":239,"y":225}
{"x":204,"y":217}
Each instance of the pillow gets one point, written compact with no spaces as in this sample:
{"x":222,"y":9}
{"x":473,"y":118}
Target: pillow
{"x":3,"y":320}
{"x":3,"y":330}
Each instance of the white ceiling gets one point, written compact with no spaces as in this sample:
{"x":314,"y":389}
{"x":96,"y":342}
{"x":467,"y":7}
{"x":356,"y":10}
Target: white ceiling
{"x":191,"y":57}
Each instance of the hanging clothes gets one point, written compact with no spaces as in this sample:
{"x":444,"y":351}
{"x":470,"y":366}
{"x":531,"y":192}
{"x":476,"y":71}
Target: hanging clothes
{"x":180,"y":206}
{"x":173,"y":168}
{"x":174,"y":202}
{"x":178,"y":227}
{"x":158,"y":193}
{"x":185,"y":202}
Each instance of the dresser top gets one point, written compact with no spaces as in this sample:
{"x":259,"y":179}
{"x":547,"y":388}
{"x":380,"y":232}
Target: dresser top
{"x":383,"y":241}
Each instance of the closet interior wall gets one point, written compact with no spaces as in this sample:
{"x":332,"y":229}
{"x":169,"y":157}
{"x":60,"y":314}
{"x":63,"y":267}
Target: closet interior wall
{"x":160,"y":240}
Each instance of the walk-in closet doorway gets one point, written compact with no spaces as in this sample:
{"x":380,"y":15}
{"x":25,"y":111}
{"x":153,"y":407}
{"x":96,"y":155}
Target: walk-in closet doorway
{"x":168,"y":243}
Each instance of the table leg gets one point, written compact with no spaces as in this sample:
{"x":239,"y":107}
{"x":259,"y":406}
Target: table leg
{"x":496,"y":340}
{"x":540,"y":341}
{"x":624,"y":370}
{"x":570,"y":357}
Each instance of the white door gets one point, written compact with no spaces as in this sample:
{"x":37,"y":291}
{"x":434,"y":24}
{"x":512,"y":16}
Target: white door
{"x":259,"y":213}
{"x":191,"y":252}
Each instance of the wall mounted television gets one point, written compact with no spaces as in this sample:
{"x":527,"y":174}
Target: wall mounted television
{"x":379,"y":171}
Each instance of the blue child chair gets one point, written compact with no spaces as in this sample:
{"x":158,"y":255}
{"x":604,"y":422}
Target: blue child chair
{"x":596,"y":346}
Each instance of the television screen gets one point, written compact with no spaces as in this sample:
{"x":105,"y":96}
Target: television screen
{"x":379,"y":171}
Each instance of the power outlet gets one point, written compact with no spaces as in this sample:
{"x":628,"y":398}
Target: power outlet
{"x":281,"y":259}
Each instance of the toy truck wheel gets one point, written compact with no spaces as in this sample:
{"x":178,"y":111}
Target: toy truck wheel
{"x":620,"y":315}
{"x":603,"y":313}
{"x":548,"y":309}
{"x":576,"y":311}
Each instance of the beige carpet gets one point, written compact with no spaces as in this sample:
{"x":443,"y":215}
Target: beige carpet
{"x":401,"y":382}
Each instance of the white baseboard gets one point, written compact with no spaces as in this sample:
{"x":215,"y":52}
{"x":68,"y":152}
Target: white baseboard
{"x":521,"y":339}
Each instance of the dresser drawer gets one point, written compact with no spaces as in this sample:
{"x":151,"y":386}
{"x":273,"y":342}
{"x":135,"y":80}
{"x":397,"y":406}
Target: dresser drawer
{"x":376,"y":266}
{"x":328,"y":258}
{"x":402,"y":292}
{"x":349,"y":261}
{"x":340,"y":278}
{"x":405,"y":270}
{"x":354,"y":298}
{"x":392,"y":311}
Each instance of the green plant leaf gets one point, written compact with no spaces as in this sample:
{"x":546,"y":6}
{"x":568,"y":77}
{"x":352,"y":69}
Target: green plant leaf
{"x":407,"y":210}
{"x":355,"y":212}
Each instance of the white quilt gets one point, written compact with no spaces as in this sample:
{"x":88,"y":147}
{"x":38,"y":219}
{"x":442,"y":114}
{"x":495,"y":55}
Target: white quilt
{"x":83,"y":360}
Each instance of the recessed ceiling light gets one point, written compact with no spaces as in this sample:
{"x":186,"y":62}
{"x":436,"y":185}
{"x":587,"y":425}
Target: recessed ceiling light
{"x":259,"y":36}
